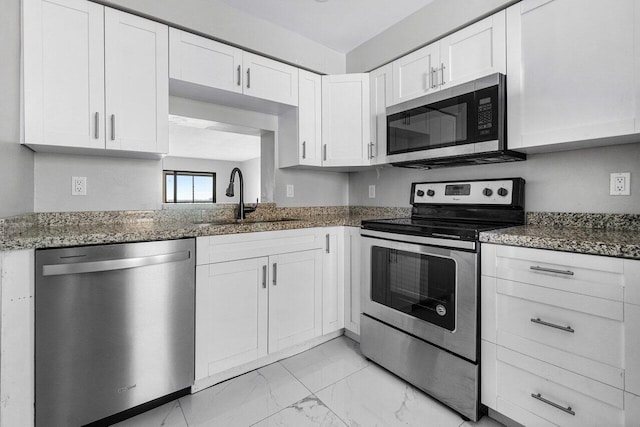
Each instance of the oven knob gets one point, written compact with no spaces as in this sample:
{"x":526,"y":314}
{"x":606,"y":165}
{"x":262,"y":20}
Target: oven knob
{"x":487,"y":192}
{"x":430,"y":193}
{"x":420,"y":193}
{"x":502,"y":191}
{"x":441,"y":310}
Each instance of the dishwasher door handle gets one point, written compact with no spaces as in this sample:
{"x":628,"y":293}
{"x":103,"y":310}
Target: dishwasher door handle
{"x":113,"y":264}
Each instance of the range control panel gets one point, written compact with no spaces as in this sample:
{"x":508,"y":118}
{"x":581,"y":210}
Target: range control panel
{"x":491,"y":192}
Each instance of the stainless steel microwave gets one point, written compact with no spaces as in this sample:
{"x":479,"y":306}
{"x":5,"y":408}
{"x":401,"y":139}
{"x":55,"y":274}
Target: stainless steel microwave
{"x":463,"y":124}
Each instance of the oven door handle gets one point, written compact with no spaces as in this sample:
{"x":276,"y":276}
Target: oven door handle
{"x":420,"y":240}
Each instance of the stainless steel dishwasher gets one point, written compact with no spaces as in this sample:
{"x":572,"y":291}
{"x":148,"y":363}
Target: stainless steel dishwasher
{"x":114,"y":328}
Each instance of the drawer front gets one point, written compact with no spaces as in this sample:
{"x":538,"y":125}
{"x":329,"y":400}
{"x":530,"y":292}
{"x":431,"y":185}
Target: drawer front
{"x":555,"y":395}
{"x":554,"y":319}
{"x":597,"y":276}
{"x":231,"y":247}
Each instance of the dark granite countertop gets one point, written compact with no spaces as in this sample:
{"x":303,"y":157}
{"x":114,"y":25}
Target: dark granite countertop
{"x":594,"y":234}
{"x":54,"y":230}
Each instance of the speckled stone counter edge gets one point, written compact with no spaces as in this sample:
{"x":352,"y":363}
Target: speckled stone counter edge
{"x":63,"y":229}
{"x":584,"y":220}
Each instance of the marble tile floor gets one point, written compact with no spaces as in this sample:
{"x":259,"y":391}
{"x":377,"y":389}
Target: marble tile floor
{"x":330,"y":385}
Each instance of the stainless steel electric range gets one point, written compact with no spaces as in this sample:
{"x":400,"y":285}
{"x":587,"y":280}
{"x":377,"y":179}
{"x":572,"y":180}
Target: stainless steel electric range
{"x":421,"y":285}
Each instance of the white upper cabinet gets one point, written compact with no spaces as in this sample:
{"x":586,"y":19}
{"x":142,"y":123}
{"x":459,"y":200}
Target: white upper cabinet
{"x":416,"y":74}
{"x":63,"y":44}
{"x":204,"y":62}
{"x":207,"y":63}
{"x":94,"y":78}
{"x":268,"y":79}
{"x":345,"y":120}
{"x":381,"y":86}
{"x":310,"y":119}
{"x":475,"y":51}
{"x":573,"y":71}
{"x":136,"y":87}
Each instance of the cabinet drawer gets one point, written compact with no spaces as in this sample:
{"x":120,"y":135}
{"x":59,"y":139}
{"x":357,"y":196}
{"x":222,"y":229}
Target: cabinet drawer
{"x":577,"y":324}
{"x":583,"y":274}
{"x":586,"y":402}
{"x":231,"y":247}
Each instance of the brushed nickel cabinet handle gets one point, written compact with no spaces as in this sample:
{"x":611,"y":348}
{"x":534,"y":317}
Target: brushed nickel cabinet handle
{"x":552,"y":325}
{"x":113,"y":127}
{"x":551,"y":270}
{"x":555,"y":405}
{"x":264,"y":276}
{"x":96,"y":129}
{"x":304,"y":149}
{"x":239,"y":75}
{"x":434,"y":82}
{"x":442,"y":75}
{"x":275,"y":274}
{"x":248,"y":78}
{"x":328,"y":243}
{"x":324,"y":155}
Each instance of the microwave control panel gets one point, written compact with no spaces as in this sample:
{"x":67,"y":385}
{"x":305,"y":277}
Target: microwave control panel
{"x":491,"y":192}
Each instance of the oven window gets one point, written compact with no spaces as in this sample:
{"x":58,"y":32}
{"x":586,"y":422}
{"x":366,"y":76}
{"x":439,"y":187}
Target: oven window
{"x":420,"y":285}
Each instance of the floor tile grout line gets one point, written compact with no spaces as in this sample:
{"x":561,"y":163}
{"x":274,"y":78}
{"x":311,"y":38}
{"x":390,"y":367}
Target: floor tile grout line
{"x":332,"y":411}
{"x":341,"y":379}
{"x":186,"y":421}
{"x":294,"y":376}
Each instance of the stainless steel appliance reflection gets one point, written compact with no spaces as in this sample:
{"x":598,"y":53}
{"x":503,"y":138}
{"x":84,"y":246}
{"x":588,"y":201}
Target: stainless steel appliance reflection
{"x":114,"y":328}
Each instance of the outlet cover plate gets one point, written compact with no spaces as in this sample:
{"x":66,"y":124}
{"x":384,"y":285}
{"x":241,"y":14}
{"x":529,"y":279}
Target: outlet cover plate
{"x":78,"y":185}
{"x":289,"y":190}
{"x":372,"y":191}
{"x":620,"y":184}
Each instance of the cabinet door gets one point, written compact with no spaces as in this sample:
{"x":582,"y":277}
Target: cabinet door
{"x":570,"y":71}
{"x":475,"y":51}
{"x":63,"y":73}
{"x":271,"y":80}
{"x":381,"y":86}
{"x":295,"y":298}
{"x":310,"y":119}
{"x":231,"y":314}
{"x":345,"y":120}
{"x":333,"y":281}
{"x":202,"y":61}
{"x":352,"y":287}
{"x":137,"y":84}
{"x":415,"y":74}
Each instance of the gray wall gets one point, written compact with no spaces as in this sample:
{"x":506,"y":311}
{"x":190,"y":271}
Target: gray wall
{"x":16,"y":161}
{"x":419,"y":29}
{"x":568,"y":181}
{"x":113,"y":183}
{"x":222,"y":22}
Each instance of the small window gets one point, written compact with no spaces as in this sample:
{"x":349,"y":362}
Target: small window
{"x":189,"y":187}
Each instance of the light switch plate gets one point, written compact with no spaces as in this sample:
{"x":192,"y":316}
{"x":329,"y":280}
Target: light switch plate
{"x":78,"y":185}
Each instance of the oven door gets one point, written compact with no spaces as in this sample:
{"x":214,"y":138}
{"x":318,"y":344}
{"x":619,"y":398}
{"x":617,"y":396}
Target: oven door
{"x":427,"y":291}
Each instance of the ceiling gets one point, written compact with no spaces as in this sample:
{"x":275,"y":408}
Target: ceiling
{"x":341,"y":25}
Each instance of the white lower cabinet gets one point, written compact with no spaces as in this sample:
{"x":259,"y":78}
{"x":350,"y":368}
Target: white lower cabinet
{"x":333,"y":280}
{"x":352,"y":280}
{"x":259,"y":295}
{"x":559,"y":337}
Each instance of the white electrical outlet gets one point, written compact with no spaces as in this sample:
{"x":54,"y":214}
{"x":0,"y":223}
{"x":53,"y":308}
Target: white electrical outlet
{"x":289,"y":190}
{"x":620,"y":184}
{"x":78,"y":185}
{"x":372,"y":191}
